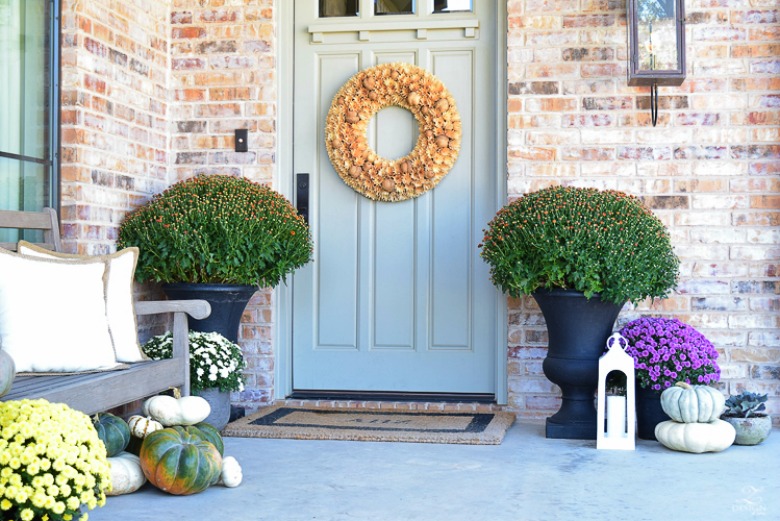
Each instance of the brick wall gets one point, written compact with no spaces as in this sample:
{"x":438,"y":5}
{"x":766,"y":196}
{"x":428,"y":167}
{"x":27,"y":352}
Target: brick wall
{"x":709,"y":169}
{"x":223,"y":78}
{"x":154,"y":89}
{"x":115,"y":103}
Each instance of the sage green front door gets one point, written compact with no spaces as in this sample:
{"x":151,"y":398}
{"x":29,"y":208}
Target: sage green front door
{"x":397,"y":298}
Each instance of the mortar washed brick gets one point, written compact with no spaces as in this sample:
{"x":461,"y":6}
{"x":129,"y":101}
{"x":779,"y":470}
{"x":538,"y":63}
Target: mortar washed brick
{"x":152,"y":90}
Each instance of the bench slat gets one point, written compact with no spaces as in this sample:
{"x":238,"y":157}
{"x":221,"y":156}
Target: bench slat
{"x":96,"y":392}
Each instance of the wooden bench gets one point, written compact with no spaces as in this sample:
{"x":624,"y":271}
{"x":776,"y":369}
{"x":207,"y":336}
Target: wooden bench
{"x":96,"y":392}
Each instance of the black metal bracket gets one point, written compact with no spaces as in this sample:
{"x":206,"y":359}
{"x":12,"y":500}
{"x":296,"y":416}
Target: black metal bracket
{"x":654,"y":103}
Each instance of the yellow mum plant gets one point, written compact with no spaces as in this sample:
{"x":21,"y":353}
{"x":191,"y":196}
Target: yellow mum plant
{"x":52,"y":462}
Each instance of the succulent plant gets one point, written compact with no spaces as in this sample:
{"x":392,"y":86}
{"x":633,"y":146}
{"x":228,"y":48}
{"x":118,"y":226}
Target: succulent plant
{"x":745,"y":404}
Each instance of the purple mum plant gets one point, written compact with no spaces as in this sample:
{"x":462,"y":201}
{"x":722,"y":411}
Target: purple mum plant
{"x":667,"y":351}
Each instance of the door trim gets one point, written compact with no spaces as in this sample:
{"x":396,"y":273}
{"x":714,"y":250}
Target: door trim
{"x":284,"y":182}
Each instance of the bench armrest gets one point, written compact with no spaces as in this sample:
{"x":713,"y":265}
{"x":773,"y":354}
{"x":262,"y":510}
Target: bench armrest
{"x":197,"y":309}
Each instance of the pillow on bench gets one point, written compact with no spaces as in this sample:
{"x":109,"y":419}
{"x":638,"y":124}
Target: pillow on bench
{"x":53,"y":314}
{"x":120,"y":271}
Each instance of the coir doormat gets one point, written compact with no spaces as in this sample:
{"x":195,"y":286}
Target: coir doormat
{"x":316,"y":423}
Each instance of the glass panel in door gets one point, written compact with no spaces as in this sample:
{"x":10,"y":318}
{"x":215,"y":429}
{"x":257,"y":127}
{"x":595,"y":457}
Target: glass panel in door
{"x":452,"y":6}
{"x":331,"y":8}
{"x":394,"y":7}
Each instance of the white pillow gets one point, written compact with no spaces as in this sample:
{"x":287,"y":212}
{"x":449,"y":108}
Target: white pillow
{"x":120,"y":311}
{"x":53,"y":314}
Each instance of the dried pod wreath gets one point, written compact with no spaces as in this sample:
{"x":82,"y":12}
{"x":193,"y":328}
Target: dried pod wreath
{"x":368,"y":92}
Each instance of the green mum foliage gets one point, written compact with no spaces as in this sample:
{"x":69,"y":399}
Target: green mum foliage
{"x":598,"y":242}
{"x":217,"y":229}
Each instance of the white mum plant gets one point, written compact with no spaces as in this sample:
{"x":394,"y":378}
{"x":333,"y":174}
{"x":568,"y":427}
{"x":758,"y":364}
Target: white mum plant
{"x":215,"y":361}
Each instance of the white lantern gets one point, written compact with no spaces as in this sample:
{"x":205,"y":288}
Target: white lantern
{"x":619,"y":411}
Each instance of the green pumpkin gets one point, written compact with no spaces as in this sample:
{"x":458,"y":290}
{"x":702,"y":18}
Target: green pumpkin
{"x":7,"y":372}
{"x":113,"y":431}
{"x":210,"y":434}
{"x":178,"y":461}
{"x":687,"y":403}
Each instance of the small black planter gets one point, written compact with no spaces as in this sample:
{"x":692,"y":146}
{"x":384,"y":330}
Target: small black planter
{"x":578,"y":329}
{"x":228,"y":302}
{"x":649,"y":412}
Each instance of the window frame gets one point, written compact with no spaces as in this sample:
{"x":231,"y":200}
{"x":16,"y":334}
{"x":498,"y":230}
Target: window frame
{"x":51,"y":159}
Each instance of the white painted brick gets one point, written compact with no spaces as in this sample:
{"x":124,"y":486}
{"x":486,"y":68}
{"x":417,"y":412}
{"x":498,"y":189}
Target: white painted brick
{"x":667,"y":135}
{"x":701,"y":218}
{"x":729,"y":371}
{"x":754,"y":321}
{"x":704,"y":287}
{"x":711,"y":202}
{"x":764,"y":338}
{"x":609,"y":168}
{"x":600,"y":136}
{"x":756,"y":253}
{"x":718,"y":235}
{"x":719,"y":270}
{"x":763,"y":236}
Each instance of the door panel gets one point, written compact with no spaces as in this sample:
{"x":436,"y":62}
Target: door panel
{"x":397,"y":298}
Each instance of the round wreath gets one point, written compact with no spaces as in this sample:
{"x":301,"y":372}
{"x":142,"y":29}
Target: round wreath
{"x":368,"y":92}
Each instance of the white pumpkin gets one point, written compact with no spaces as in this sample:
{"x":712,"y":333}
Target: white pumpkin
{"x":692,"y":403}
{"x":140,"y":426}
{"x":714,"y":436}
{"x":231,"y":475}
{"x":126,"y":474}
{"x":169,"y":411}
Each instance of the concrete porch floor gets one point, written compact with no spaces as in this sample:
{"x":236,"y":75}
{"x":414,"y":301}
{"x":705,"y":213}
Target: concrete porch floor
{"x":527,"y":478}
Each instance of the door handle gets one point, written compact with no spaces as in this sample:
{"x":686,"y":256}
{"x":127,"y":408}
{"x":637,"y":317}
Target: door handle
{"x":302,"y":195}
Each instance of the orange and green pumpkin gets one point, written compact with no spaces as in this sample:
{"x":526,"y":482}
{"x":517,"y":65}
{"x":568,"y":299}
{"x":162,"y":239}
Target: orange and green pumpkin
{"x":211,"y":435}
{"x":113,"y":432}
{"x":180,"y":462}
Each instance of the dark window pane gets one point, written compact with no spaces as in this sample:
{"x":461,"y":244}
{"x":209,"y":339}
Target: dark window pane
{"x":329,"y":8}
{"x":394,"y":7}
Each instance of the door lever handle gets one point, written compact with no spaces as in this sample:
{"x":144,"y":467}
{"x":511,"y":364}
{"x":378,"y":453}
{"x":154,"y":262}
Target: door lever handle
{"x":302,"y":195}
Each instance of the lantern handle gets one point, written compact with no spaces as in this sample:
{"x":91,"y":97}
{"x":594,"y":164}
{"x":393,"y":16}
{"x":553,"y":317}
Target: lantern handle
{"x":619,"y":339}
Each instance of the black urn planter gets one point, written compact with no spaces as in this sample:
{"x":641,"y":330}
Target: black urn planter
{"x":228,"y":302}
{"x":578,"y":329}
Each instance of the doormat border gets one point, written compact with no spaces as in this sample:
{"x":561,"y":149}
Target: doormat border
{"x":485,"y":428}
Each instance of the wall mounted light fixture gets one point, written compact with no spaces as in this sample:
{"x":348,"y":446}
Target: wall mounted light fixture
{"x":656,"y":44}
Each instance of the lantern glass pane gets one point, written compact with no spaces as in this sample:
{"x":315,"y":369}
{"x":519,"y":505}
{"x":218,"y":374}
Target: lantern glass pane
{"x":657,"y":35}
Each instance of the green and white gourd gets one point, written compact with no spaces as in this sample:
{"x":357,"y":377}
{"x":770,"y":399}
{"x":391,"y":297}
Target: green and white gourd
{"x":140,"y":426}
